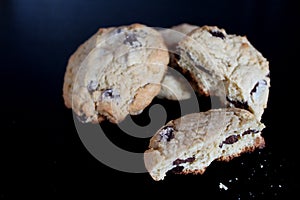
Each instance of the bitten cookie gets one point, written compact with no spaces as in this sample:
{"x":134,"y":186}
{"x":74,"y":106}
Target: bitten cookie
{"x":118,"y":71}
{"x":189,"y":144}
{"x":175,"y":87}
{"x":226,"y":65}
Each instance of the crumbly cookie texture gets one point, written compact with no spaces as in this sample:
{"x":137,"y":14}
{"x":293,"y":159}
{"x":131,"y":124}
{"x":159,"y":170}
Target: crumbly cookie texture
{"x":116,"y":72}
{"x":175,"y":87}
{"x":228,"y":66}
{"x":189,"y":144}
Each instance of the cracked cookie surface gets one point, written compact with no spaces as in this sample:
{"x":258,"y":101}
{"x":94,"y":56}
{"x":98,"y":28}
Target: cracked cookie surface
{"x":116,"y":72}
{"x":228,"y":66}
{"x":190,"y":143}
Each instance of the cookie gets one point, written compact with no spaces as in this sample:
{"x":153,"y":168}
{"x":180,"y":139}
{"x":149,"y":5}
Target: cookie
{"x":226,"y":65}
{"x":189,"y":144}
{"x":175,"y":87}
{"x":175,"y":34}
{"x":116,"y":72}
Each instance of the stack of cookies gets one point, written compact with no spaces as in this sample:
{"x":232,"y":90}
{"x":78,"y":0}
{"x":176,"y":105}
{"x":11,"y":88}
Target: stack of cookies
{"x":120,"y":70}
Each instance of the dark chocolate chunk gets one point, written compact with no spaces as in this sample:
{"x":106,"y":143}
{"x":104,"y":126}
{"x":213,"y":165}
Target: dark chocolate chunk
{"x":166,"y":133}
{"x":250,"y":131}
{"x":177,"y":169}
{"x":92,"y":86}
{"x":82,"y":118}
{"x":230,"y":140}
{"x":189,"y":56}
{"x":263,"y":82}
{"x":132,"y":40}
{"x":110,"y":94}
{"x":119,"y":30}
{"x":217,"y":34}
{"x":175,"y":56}
{"x":180,"y":161}
{"x":234,"y":138}
{"x":238,"y":104}
{"x":254,"y":88}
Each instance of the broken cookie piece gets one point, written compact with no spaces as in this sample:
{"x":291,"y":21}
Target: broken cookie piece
{"x":226,"y":65}
{"x":190,"y":143}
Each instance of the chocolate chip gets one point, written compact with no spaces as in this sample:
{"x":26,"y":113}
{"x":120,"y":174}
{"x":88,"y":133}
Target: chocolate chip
{"x":132,"y":40}
{"x":177,"y":169}
{"x":189,"y":56}
{"x":119,"y":30}
{"x":262,"y":82}
{"x":180,"y":161}
{"x":230,"y":140}
{"x":217,"y":34}
{"x":255,"y":88}
{"x":82,"y":118}
{"x":92,"y":86}
{"x":166,"y":134}
{"x":238,"y":104}
{"x":176,"y":56}
{"x":249,"y":132}
{"x":110,"y":94}
{"x":268,"y":75}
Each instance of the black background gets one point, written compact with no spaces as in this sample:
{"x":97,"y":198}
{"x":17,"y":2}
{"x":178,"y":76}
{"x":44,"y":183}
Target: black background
{"x":41,"y":153}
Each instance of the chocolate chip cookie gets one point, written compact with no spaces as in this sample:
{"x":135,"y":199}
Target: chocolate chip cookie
{"x":226,"y":65}
{"x":189,"y":144}
{"x":116,"y":72}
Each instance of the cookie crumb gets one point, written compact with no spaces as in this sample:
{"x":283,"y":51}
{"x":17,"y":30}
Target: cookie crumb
{"x":222,"y":186}
{"x":261,"y":166}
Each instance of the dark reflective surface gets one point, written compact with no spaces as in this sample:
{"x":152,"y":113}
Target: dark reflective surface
{"x":41,"y":153}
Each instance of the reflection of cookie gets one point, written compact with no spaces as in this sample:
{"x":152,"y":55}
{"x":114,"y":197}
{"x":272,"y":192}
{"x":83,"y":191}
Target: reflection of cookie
{"x":174,"y":87}
{"x":117,"y":72}
{"x":228,"y":65}
{"x":189,"y":144}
